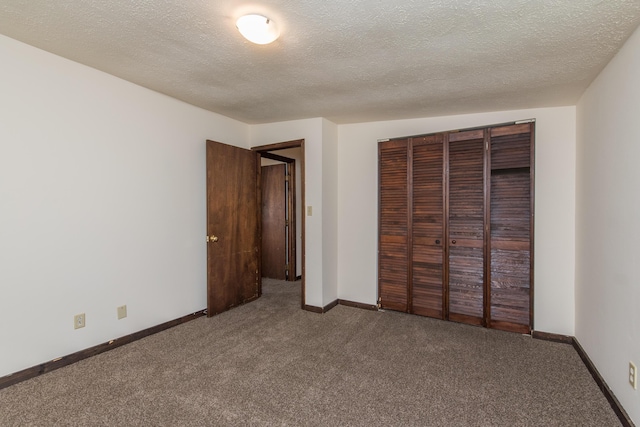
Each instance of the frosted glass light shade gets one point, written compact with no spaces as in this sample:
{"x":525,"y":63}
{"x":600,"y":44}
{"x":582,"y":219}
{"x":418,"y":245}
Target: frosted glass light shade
{"x":257,"y":29}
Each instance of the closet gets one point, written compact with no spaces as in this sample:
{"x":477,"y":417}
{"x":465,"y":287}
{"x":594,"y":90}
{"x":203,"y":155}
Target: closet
{"x":456,"y":226}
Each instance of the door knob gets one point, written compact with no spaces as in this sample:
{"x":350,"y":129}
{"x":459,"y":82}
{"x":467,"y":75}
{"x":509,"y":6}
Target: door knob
{"x":453,"y":242}
{"x":212,"y":238}
{"x":437,"y":241}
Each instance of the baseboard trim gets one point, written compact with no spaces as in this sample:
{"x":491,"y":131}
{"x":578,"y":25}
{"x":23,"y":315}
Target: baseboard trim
{"x":604,"y":388}
{"x":613,"y":401}
{"x":63,"y":361}
{"x":547,"y":336}
{"x":329,"y":306}
{"x":361,"y":305}
{"x":320,"y":310}
{"x":312,"y":308}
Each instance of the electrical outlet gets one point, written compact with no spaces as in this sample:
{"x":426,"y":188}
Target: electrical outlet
{"x":633,"y":376}
{"x":78,"y":321}
{"x":122,"y":312}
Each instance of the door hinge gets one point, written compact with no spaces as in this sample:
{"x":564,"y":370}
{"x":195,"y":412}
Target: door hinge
{"x":286,"y":222}
{"x":379,"y":303}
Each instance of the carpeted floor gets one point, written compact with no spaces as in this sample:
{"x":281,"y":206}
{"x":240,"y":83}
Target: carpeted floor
{"x":270,"y":363}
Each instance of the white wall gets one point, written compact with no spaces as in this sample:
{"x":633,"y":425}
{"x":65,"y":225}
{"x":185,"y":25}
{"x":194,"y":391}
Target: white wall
{"x":554,"y":210}
{"x":608,"y":222}
{"x":102,"y":194}
{"x":311,"y":131}
{"x":329,"y":211}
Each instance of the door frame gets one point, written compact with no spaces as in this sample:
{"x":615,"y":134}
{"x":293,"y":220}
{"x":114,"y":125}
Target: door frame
{"x":261,"y":149}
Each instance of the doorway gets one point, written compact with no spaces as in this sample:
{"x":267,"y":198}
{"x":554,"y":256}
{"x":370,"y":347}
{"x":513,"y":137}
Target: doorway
{"x":279,"y":219}
{"x":292,"y":154}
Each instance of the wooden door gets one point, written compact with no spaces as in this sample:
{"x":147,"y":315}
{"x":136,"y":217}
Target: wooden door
{"x":511,"y":206}
{"x":393,"y":233}
{"x":465,"y":242}
{"x":233,"y":248}
{"x":274,"y":225}
{"x":427,"y":291}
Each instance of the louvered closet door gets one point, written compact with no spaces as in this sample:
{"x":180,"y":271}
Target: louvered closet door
{"x":428,"y":226}
{"x":466,"y":226}
{"x":510,"y":243}
{"x":393,"y":233}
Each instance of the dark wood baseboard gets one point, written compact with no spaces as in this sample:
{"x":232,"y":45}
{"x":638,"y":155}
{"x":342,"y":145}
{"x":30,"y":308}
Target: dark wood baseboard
{"x":312,"y":308}
{"x":613,"y":401}
{"x":320,"y":310}
{"x":63,"y":361}
{"x":329,"y":306}
{"x":546,"y":336}
{"x":361,"y":305}
{"x":604,"y":388}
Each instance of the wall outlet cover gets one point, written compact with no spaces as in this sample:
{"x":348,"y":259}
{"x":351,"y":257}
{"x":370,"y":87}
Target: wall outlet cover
{"x":79,"y":321}
{"x":122,"y":312}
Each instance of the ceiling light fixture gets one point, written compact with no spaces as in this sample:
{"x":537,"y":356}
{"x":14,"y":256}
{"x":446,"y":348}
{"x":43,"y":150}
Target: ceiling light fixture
{"x":257,"y":29}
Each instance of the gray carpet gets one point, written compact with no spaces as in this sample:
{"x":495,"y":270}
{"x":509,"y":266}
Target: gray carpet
{"x":270,"y":363}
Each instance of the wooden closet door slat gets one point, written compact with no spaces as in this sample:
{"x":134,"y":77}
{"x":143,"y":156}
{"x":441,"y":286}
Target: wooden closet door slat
{"x":428,"y":226}
{"x":510,"y":239}
{"x":393,"y":232}
{"x":466,"y":229}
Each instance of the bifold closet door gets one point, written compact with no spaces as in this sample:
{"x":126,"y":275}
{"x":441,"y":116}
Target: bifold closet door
{"x":511,"y":207}
{"x":393,"y":225}
{"x":427,"y":292}
{"x":466,"y":209}
{"x":456,"y":226}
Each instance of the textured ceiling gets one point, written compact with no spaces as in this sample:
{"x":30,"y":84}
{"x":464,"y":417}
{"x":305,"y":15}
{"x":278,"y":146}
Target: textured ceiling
{"x":348,"y":61}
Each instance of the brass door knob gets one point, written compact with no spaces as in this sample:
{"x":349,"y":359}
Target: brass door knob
{"x":212,"y":238}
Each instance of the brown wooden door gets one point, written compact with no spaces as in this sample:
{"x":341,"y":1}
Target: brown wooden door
{"x":233,"y":275}
{"x":427,"y":292}
{"x":511,"y":206}
{"x":466,"y":227}
{"x":393,"y":233}
{"x":274,"y":227}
